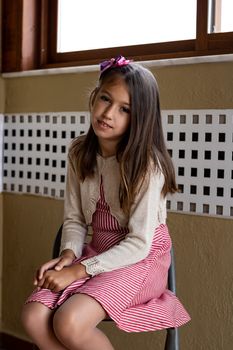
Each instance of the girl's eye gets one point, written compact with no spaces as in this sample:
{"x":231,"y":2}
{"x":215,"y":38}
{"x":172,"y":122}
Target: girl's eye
{"x":104,"y":98}
{"x":126,"y":110}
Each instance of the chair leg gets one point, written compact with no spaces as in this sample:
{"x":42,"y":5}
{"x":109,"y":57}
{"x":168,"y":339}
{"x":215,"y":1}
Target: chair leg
{"x":172,"y":339}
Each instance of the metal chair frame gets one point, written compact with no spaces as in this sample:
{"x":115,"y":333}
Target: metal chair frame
{"x":172,"y":337}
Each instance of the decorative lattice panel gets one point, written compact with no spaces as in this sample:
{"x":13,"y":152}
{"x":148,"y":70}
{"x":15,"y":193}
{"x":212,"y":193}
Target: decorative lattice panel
{"x":200,"y":142}
{"x":35,"y":151}
{"x":1,"y":150}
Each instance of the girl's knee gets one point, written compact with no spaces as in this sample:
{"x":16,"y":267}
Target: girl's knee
{"x":32,"y":315}
{"x":75,"y":319}
{"x":68,"y":327}
{"x":63,"y":323}
{"x":29,"y":317}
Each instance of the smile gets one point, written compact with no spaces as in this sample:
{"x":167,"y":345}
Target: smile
{"x":103,"y":124}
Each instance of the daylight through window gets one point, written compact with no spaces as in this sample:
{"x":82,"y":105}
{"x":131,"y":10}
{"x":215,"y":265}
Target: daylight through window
{"x":122,"y":24}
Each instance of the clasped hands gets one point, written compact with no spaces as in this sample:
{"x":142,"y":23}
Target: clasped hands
{"x":58,"y":273}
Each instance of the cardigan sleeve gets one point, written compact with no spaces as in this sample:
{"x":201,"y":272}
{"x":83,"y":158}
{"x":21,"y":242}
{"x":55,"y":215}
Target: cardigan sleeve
{"x":74,"y":226}
{"x":145,"y":216}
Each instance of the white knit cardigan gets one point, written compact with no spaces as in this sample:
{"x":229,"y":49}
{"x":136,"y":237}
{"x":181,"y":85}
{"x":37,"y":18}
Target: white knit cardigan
{"x":146,"y":214}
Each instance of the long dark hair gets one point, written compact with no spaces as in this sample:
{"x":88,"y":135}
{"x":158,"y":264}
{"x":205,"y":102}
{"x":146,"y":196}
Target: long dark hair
{"x":142,"y":143}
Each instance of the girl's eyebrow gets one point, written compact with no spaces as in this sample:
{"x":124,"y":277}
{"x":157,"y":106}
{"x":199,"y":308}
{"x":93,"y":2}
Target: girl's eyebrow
{"x":108,"y":93}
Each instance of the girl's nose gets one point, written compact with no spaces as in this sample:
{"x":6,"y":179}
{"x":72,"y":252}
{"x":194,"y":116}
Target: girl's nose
{"x":109,"y":112}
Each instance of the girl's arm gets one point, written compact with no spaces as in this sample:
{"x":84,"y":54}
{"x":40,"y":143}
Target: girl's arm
{"x":74,"y":226}
{"x":148,"y":212}
{"x":57,"y":273}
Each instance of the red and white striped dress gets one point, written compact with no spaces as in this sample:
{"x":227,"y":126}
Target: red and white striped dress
{"x":135,"y":297}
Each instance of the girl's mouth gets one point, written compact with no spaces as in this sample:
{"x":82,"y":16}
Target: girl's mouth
{"x":103,"y":124}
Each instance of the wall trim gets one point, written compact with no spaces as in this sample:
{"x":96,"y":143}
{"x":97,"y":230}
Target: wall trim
{"x":95,"y":68}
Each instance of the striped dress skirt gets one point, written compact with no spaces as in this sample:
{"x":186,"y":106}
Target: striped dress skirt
{"x":135,"y":297}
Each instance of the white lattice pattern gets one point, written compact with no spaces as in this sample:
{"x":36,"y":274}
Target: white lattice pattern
{"x":35,"y":151}
{"x":199,"y":141}
{"x":1,"y":151}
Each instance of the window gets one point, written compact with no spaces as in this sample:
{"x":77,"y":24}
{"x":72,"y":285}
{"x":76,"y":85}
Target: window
{"x":125,"y":26}
{"x":35,"y":33}
{"x":220,"y":16}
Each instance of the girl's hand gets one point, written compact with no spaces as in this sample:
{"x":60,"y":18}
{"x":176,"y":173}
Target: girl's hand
{"x":66,"y":258}
{"x":59,"y":280}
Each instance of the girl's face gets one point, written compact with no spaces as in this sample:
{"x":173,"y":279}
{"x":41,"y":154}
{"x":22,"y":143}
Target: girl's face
{"x":110,"y":113}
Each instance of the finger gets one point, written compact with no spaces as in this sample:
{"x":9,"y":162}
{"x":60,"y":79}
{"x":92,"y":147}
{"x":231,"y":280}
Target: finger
{"x":56,"y":289}
{"x":59,"y":267}
{"x":63,"y":262}
{"x":45,"y":284}
{"x":36,"y":278}
{"x":41,"y":272}
{"x":51,"y":287}
{"x":41,"y":283}
{"x":47,"y":266}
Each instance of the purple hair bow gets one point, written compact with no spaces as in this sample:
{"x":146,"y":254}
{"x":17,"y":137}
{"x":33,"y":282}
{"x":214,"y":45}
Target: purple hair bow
{"x":113,"y":62}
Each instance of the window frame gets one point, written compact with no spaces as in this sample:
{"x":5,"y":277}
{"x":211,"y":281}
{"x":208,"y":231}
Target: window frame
{"x":29,"y":37}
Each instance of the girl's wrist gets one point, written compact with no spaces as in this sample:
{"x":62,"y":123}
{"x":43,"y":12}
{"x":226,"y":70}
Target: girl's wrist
{"x":68,"y":253}
{"x":80,"y":271}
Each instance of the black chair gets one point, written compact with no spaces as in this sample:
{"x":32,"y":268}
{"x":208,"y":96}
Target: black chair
{"x":172,"y":338}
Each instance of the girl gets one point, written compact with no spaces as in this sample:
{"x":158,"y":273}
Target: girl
{"x":117,"y":180}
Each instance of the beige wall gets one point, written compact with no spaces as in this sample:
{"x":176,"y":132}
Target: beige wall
{"x":1,"y":249}
{"x":181,"y":87}
{"x":2,"y":95}
{"x":206,"y":85}
{"x":203,"y":245}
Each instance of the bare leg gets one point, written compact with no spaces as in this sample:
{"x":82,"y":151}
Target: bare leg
{"x":38,"y":323}
{"x":75,"y":324}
